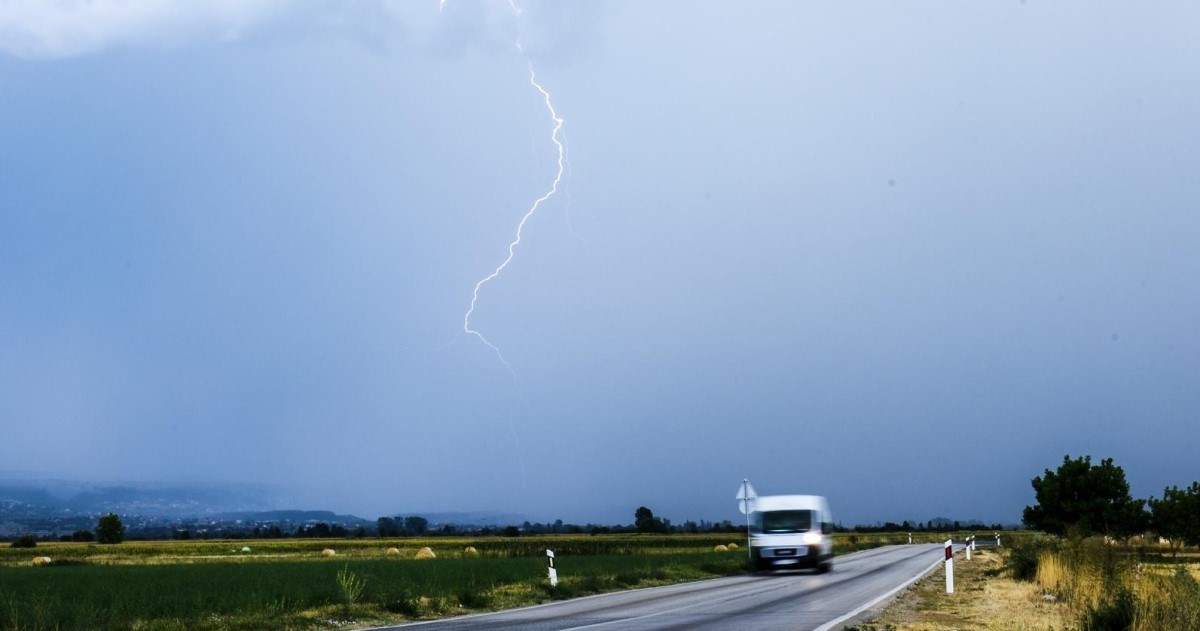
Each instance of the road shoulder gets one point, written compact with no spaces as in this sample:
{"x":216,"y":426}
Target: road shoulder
{"x":985,"y":599}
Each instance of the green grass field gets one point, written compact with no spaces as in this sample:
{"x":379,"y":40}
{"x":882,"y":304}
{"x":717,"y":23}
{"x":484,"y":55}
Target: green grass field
{"x":288,"y":584}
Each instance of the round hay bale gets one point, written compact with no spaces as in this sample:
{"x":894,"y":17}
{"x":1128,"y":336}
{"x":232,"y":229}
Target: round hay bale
{"x":732,"y":546}
{"x":41,"y":560}
{"x":470,"y":551}
{"x":426,"y":553}
{"x":393,"y":551}
{"x":328,"y":552}
{"x":720,"y":548}
{"x":245,"y":548}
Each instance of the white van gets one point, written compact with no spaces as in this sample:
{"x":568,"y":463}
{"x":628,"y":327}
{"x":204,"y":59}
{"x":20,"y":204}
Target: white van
{"x":791,"y":531}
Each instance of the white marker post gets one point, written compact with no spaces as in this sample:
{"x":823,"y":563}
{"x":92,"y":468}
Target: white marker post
{"x":997,"y":540}
{"x":745,"y":497}
{"x":910,"y":538}
{"x":969,"y":546}
{"x":949,"y":566}
{"x":550,"y":568}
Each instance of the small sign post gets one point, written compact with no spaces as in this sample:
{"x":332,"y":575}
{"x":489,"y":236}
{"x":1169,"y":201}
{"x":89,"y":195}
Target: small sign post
{"x":550,"y":568}
{"x":949,"y":566}
{"x":745,"y":497}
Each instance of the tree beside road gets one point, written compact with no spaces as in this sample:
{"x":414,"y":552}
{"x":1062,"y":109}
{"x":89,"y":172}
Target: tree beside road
{"x":1080,"y":499}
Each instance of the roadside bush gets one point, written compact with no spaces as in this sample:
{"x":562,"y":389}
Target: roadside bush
{"x":472,"y":598}
{"x":1107,"y":589}
{"x":25,"y":541}
{"x":1023,"y":557}
{"x":403,"y":603}
{"x":1113,"y":613}
{"x":1178,"y":606}
{"x":628,"y":579}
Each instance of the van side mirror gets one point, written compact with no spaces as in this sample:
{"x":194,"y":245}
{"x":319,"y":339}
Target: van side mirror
{"x":826,"y":528}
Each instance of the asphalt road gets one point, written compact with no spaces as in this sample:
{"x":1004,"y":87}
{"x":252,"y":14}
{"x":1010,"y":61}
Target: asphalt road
{"x":798,"y":600}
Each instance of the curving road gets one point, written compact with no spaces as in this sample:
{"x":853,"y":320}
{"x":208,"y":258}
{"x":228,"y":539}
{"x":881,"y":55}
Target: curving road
{"x":787,"y":600}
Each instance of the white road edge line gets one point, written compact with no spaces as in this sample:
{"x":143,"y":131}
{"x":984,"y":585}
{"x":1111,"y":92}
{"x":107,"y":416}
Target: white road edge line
{"x":836,"y":621}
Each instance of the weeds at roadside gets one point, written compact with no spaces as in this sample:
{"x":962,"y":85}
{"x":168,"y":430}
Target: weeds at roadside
{"x":352,"y":588}
{"x":1109,"y":587}
{"x":403,"y":603}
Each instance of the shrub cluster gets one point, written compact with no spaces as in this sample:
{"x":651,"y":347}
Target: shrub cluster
{"x":24,"y":541}
{"x":1106,"y":587}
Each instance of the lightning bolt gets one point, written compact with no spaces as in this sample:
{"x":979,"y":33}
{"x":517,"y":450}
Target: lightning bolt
{"x":512,"y":247}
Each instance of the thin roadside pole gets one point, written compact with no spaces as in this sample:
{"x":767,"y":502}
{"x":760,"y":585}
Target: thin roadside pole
{"x":749,"y":556}
{"x":745,"y":497}
{"x":949,"y":563}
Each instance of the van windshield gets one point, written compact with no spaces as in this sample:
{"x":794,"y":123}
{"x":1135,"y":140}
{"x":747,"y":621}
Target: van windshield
{"x":786,"y":521}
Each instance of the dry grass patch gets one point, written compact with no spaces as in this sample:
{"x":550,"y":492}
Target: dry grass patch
{"x":985,"y":599}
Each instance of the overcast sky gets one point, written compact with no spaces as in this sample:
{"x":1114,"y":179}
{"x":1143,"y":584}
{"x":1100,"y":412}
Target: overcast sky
{"x":904,"y":255}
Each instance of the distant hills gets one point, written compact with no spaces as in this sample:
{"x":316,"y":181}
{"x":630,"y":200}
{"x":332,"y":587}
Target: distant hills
{"x":148,"y":499}
{"x":55,"y":507}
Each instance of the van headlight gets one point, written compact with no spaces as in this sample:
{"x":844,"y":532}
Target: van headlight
{"x":812,"y":538}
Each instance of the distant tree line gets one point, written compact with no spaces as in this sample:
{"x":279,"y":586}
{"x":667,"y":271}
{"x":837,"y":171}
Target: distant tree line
{"x":319,"y":530}
{"x":933,"y":525}
{"x":417,"y":526}
{"x":109,"y":529}
{"x":322,"y":530}
{"x":412,"y":526}
{"x":398,"y":526}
